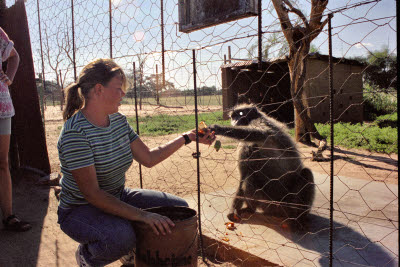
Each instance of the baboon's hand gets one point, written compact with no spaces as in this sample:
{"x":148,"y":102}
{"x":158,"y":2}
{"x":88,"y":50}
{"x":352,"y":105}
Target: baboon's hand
{"x":215,"y":128}
{"x":234,"y":217}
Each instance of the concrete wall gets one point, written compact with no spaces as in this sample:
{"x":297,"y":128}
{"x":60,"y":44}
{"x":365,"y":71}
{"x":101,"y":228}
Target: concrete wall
{"x":347,"y":85}
{"x":269,"y":89}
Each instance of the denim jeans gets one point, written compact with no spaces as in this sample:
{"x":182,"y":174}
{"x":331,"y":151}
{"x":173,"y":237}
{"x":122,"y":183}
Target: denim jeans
{"x":104,"y":237}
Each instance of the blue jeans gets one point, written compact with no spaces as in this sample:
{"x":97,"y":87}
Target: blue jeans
{"x":104,"y":237}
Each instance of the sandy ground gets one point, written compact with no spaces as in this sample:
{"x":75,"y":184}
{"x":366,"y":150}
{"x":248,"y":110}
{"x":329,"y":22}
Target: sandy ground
{"x":48,"y":246}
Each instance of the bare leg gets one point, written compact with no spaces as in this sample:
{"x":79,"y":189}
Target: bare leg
{"x":9,"y":223}
{"x":5,"y":177}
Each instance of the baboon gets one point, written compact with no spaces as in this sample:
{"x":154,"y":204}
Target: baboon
{"x":272,"y":175}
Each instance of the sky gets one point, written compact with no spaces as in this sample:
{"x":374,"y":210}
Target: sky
{"x":137,"y":36}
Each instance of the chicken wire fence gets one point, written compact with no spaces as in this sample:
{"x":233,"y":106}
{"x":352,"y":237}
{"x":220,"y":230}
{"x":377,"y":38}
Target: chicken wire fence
{"x":358,"y":226}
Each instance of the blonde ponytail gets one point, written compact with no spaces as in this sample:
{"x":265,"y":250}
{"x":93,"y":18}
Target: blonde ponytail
{"x":73,"y":99}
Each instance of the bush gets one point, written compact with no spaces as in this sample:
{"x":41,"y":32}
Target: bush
{"x":378,"y":103}
{"x":370,"y":136}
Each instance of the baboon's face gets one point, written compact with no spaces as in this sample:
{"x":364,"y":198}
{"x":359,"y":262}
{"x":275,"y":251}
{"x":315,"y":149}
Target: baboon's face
{"x":243,"y":116}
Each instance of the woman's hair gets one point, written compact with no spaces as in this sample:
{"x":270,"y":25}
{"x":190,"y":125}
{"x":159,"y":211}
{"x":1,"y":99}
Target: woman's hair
{"x":98,"y":71}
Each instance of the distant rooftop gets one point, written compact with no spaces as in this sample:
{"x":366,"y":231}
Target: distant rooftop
{"x":282,"y":59}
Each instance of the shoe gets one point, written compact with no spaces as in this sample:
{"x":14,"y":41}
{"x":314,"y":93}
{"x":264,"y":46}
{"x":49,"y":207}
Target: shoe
{"x":79,"y":258}
{"x":129,"y":259}
{"x":13,"y":223}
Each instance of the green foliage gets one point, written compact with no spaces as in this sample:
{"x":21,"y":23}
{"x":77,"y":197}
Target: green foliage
{"x":388,"y":120}
{"x":381,"y":71}
{"x":314,"y":49}
{"x":169,"y":124}
{"x":274,"y":45}
{"x":377,"y":103}
{"x":367,"y":136}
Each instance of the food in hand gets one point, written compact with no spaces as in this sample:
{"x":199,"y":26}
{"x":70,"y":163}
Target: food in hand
{"x":202,"y":128}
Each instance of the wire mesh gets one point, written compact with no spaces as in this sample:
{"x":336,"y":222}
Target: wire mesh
{"x":364,"y":156}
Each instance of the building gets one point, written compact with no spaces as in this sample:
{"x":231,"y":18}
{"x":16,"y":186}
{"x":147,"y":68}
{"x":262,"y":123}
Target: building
{"x":269,"y":88}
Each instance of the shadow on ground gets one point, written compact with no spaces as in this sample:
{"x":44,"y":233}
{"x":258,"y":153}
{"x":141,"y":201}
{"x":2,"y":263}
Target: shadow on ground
{"x":349,"y":159}
{"x":30,"y":202}
{"x":350,"y":248}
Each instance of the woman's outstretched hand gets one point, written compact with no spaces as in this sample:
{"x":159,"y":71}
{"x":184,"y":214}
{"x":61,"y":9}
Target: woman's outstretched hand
{"x":207,"y":138}
{"x":158,"y":223}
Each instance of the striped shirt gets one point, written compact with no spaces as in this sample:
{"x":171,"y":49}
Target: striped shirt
{"x":82,"y":144}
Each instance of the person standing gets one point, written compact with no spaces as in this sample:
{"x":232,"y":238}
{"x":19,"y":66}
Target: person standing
{"x":8,"y":53}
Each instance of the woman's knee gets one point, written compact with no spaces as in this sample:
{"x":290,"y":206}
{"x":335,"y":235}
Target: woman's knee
{"x":122,"y":238}
{"x":176,"y":201}
{"x":181,"y":202}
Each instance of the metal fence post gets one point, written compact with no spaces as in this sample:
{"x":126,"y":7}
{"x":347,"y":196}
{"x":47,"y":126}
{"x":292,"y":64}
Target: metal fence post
{"x":137,"y":118}
{"x":43,"y":87}
{"x":73,"y":38}
{"x":111,"y":36}
{"x":331,"y":114}
{"x":197,"y":153}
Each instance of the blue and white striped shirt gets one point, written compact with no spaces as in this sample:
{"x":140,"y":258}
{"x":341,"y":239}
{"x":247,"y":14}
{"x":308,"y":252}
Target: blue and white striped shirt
{"x":83,"y":144}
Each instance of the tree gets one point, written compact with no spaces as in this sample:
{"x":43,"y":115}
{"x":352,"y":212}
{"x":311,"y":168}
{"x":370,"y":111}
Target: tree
{"x":274,"y":46}
{"x":142,"y":57}
{"x":208,"y":90}
{"x":299,"y":38}
{"x":382,"y":69}
{"x":56,"y":57}
{"x":154,"y":86}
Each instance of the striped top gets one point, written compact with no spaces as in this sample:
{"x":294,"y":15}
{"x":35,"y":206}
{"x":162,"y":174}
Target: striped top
{"x":83,"y":144}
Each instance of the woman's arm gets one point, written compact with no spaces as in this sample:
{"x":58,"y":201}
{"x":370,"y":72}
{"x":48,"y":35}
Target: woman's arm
{"x":12,"y":65}
{"x":151,"y":157}
{"x":87,"y":182}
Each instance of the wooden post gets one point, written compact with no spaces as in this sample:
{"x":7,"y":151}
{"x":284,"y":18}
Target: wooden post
{"x":28,"y":129}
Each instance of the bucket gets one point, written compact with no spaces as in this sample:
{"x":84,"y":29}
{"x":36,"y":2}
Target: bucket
{"x":179,"y":248}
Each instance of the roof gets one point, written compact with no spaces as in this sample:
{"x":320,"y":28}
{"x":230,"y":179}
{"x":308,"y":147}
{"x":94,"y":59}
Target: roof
{"x":278,"y":60}
{"x":341,"y":60}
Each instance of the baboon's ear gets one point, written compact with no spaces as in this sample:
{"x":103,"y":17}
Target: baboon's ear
{"x":253,"y":112}
{"x":241,"y":99}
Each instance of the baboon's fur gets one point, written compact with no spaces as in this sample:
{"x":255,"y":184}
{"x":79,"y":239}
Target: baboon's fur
{"x":272,"y":175}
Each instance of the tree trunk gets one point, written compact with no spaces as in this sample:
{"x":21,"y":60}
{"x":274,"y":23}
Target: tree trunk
{"x":299,"y":39}
{"x":301,"y":134}
{"x":304,"y":127}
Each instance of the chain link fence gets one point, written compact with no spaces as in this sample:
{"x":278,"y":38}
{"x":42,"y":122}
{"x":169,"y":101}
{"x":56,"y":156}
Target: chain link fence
{"x":354,"y":217}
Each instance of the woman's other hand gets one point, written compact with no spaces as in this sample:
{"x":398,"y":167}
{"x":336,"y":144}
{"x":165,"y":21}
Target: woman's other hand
{"x":207,"y":138}
{"x":4,"y":78}
{"x":158,"y":223}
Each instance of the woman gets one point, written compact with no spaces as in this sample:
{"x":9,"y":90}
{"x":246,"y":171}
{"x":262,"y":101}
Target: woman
{"x":96,"y":147}
{"x":7,"y":53}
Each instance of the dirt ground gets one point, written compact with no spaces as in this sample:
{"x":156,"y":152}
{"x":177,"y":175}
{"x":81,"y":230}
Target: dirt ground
{"x":48,"y":246}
